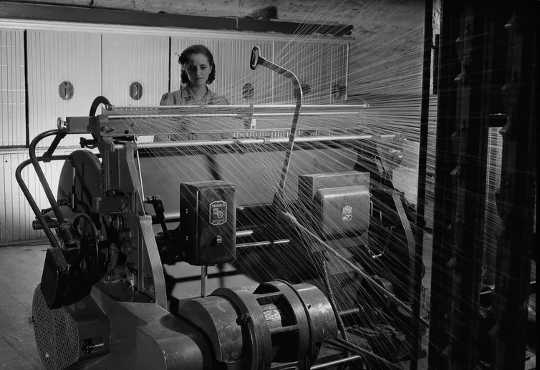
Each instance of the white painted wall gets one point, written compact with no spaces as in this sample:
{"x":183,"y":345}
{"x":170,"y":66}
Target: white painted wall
{"x":12,"y":100}
{"x":54,"y":57}
{"x":134,"y":58}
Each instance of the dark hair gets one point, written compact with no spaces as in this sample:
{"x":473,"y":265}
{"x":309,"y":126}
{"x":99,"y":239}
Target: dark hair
{"x":197,"y":49}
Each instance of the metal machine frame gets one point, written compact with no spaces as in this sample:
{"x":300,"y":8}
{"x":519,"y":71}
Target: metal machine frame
{"x":473,"y":325}
{"x":114,"y":213}
{"x":467,"y":107}
{"x":114,"y":131}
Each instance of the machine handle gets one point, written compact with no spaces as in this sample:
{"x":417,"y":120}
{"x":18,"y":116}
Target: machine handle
{"x":49,"y":153}
{"x":64,"y":231}
{"x":33,"y":204}
{"x":95,"y":104}
{"x":255,"y":60}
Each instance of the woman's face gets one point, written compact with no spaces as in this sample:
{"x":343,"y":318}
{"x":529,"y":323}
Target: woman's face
{"x":198,"y":69}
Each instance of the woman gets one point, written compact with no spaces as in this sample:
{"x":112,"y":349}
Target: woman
{"x":198,"y":71}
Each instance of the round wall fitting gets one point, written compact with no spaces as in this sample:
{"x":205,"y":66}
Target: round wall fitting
{"x":248,"y":90}
{"x":135,"y":90}
{"x":65,"y":90}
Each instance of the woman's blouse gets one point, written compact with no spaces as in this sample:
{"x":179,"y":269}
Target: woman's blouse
{"x":184,"y":97}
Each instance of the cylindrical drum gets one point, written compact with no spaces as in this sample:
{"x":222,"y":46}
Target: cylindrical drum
{"x":276,"y":323}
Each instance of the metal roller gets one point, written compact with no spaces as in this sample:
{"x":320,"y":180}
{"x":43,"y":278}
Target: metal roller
{"x":275,"y":323}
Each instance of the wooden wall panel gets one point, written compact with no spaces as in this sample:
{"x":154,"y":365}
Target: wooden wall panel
{"x":12,"y":98}
{"x":16,"y":216}
{"x":54,"y":57}
{"x":131,"y":58}
{"x":310,"y":62}
{"x":337,"y":86}
{"x":235,"y":65}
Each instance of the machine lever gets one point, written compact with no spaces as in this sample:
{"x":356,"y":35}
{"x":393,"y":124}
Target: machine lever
{"x":255,"y":60}
{"x":37,"y":211}
{"x":62,"y":132}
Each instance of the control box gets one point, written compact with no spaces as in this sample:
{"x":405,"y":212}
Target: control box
{"x":342,"y":210}
{"x":309,"y":184}
{"x":207,"y":222}
{"x":336,"y":203}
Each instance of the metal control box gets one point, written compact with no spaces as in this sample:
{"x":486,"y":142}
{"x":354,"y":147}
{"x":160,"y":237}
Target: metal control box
{"x":343,"y":210}
{"x":207,"y":222}
{"x":309,"y":184}
{"x":319,"y":212}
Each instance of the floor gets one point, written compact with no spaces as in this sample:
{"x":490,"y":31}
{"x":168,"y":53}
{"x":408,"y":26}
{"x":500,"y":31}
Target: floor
{"x":20,"y":272}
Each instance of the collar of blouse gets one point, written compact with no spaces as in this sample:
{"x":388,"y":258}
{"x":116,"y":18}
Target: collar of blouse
{"x":188,"y":96}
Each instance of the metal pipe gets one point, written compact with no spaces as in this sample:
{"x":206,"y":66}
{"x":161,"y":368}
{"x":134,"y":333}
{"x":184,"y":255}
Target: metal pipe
{"x":263,"y":243}
{"x":141,"y":195}
{"x":255,"y":60}
{"x":49,"y":153}
{"x":336,"y":362}
{"x":33,"y":204}
{"x":243,"y":233}
{"x":41,"y":176}
{"x":349,"y":311}
{"x":336,"y":110}
{"x":141,"y":115}
{"x":292,"y":365}
{"x":204,"y":275}
{"x":115,"y":110}
{"x":251,"y":141}
{"x":349,"y":145}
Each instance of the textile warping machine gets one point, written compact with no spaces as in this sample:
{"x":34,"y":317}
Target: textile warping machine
{"x":277,"y":219}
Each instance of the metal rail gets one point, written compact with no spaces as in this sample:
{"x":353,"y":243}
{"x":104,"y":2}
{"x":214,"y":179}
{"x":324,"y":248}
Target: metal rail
{"x":33,"y":204}
{"x":336,"y":362}
{"x":149,"y":120}
{"x":242,"y":110}
{"x":34,"y":160}
{"x":39,"y":171}
{"x":249,"y":141}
